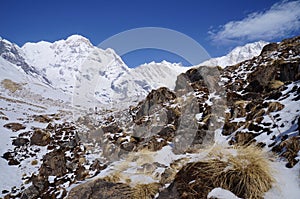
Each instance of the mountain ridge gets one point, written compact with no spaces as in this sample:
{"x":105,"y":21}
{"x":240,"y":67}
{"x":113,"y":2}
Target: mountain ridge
{"x":71,"y":63}
{"x":236,"y":55}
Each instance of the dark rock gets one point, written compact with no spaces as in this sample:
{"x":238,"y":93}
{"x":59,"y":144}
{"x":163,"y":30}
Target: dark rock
{"x":269,"y":48}
{"x":3,"y":117}
{"x":42,"y":118}
{"x":54,"y":164}
{"x":13,"y":162}
{"x":96,"y":166}
{"x":153,"y":102}
{"x":197,"y":79}
{"x":7,"y":155}
{"x":255,"y":127}
{"x":100,"y":189}
{"x":255,"y":86}
{"x":20,"y":141}
{"x":288,"y":71}
{"x":14,"y":126}
{"x":289,"y":149}
{"x":274,"y":95}
{"x":244,"y":139}
{"x":11,"y":158}
{"x":112,"y":128}
{"x":5,"y":191}
{"x":80,"y":173}
{"x":40,"y":138}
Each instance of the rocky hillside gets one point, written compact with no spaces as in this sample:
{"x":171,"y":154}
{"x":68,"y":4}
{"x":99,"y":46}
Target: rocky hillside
{"x":230,"y":131}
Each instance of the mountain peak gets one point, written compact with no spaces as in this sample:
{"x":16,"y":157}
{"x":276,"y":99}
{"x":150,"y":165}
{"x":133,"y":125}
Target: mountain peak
{"x":162,"y":63}
{"x":237,"y":55}
{"x":248,"y":48}
{"x":5,"y":41}
{"x":110,"y":51}
{"x":77,"y":38}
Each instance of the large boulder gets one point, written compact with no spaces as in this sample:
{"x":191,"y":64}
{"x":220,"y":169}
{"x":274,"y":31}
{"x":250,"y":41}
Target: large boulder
{"x":101,"y":189}
{"x":40,"y":137}
{"x":54,"y":164}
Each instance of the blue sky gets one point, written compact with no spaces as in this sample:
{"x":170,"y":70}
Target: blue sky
{"x":215,"y":24}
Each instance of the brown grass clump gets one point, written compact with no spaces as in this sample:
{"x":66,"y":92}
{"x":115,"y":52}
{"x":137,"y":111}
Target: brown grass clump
{"x":115,"y":177}
{"x":289,"y":149}
{"x":145,"y":191}
{"x":244,"y":171}
{"x":248,"y":174}
{"x":274,"y":106}
{"x":34,"y":162}
{"x":11,"y":85}
{"x":275,"y":84}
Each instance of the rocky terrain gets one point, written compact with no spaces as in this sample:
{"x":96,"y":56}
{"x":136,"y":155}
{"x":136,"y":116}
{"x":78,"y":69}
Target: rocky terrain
{"x":231,"y":131}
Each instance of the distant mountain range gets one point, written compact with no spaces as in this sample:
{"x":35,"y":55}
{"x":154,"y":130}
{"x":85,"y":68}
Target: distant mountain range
{"x":94,"y":76}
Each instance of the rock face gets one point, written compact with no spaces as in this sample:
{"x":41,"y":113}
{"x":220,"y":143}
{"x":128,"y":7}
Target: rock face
{"x":154,"y":98}
{"x":54,"y":164}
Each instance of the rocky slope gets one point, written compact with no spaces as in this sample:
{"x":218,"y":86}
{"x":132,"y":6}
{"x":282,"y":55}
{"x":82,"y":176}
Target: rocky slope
{"x":163,"y":146}
{"x":255,"y":103}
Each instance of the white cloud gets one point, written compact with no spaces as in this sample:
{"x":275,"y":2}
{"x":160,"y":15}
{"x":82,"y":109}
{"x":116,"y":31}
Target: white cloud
{"x":279,"y":21}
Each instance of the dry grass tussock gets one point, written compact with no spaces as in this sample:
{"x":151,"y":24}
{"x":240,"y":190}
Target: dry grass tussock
{"x":275,"y":84}
{"x":289,"y":149}
{"x":11,"y":85}
{"x":247,"y":174}
{"x":145,"y":191}
{"x":245,"y":171}
{"x":115,"y":177}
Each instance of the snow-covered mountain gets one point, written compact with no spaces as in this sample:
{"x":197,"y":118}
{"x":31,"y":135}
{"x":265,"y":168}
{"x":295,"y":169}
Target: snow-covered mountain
{"x":96,"y":77}
{"x":14,"y":54}
{"x":163,"y":71}
{"x":64,"y":61}
{"x":15,"y":83}
{"x":237,"y":55}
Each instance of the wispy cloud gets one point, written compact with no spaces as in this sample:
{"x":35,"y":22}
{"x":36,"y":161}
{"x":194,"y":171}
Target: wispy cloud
{"x":280,"y":20}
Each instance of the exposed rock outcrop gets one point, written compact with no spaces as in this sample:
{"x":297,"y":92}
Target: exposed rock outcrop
{"x":14,"y":126}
